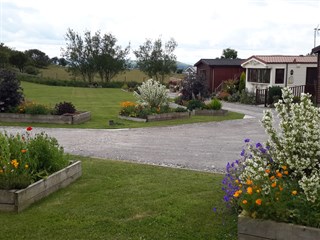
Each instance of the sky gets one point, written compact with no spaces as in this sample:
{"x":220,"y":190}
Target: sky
{"x":201,"y":28}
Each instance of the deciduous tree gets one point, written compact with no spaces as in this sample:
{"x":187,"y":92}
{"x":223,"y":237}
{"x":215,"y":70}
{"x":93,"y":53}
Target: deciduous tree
{"x":157,"y":60}
{"x":229,"y":53}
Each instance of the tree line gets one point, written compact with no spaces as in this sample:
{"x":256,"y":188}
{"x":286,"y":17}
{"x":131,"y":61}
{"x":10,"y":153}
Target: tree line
{"x":99,"y":54}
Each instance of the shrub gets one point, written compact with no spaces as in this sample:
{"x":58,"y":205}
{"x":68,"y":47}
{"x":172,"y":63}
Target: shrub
{"x":181,"y":109}
{"x":152,"y":93}
{"x":279,"y":180}
{"x":234,"y":97}
{"x":31,"y":70}
{"x":215,"y":104}
{"x":223,"y":95}
{"x":194,"y":87}
{"x":25,"y":158}
{"x":242,"y":82}
{"x":11,"y":92}
{"x":247,"y":97}
{"x":274,"y":94}
{"x":230,"y":86}
{"x":195,"y":104}
{"x":63,"y":108}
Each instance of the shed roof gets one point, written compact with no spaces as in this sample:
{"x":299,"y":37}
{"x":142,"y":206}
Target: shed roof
{"x":283,"y":59}
{"x":220,"y":62}
{"x":316,"y":49}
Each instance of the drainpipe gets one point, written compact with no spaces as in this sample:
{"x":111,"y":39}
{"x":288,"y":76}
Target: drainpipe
{"x":286,"y":77}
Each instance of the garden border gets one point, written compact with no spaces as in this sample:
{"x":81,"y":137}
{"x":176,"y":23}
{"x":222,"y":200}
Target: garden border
{"x":258,"y":229}
{"x":207,"y":112}
{"x":158,"y":117}
{"x":81,"y":117}
{"x":18,"y":200}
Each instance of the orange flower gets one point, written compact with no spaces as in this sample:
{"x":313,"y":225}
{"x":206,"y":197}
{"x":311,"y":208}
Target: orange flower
{"x":274,"y":184}
{"x":237,"y":193}
{"x":127,"y":104}
{"x":249,"y":190}
{"x":1,"y":170}
{"x":244,"y":201}
{"x":294,"y":192}
{"x":258,"y":201}
{"x":23,"y":150}
{"x":280,"y":188}
{"x":286,"y":172}
{"x":248,"y":182}
{"x":15,"y":163}
{"x":272,"y":177}
{"x":267,"y":171}
{"x":284,"y":167}
{"x":279,"y":174}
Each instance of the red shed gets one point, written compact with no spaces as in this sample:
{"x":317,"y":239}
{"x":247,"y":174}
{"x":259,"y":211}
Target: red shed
{"x":316,"y":50}
{"x":218,"y":70}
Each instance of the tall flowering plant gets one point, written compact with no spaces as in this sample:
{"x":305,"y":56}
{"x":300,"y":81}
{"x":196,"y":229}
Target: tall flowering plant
{"x":280,"y":179}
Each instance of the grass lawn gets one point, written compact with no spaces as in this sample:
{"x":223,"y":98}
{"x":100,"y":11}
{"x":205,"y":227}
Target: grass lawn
{"x":103,"y":103}
{"x":119,"y":200}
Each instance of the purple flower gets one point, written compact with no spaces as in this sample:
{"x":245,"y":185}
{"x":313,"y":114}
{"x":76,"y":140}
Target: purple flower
{"x":247,"y":140}
{"x":263,"y":150}
{"x":214,"y":209}
{"x":242,"y":153}
{"x":258,"y":145}
{"x":237,"y":162}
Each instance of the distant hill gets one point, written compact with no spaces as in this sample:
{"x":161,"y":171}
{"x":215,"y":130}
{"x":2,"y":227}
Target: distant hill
{"x":180,"y":65}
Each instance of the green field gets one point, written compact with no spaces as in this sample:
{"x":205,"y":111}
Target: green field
{"x":60,"y":73}
{"x":117,"y":200}
{"x":103,"y":103}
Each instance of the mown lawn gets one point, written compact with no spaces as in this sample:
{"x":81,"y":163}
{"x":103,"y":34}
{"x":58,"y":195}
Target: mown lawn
{"x":103,"y":103}
{"x":119,"y":200}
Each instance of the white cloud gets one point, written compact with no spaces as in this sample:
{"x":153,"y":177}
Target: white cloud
{"x":201,"y":28}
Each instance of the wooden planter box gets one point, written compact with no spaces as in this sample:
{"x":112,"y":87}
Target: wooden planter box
{"x":17,"y":200}
{"x":30,"y":118}
{"x":158,"y":117}
{"x":206,"y":112}
{"x":257,"y":229}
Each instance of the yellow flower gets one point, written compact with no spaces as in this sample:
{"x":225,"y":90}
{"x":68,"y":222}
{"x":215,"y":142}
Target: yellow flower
{"x":249,"y":190}
{"x":26,"y":166}
{"x":258,"y":191}
{"x":1,"y":170}
{"x":294,"y":192}
{"x":258,"y":201}
{"x":284,"y":167}
{"x":15,"y":163}
{"x":236,"y":181}
{"x":244,"y":201}
{"x":237,"y":193}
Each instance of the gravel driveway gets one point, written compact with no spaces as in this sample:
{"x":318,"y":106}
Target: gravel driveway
{"x":202,"y":146}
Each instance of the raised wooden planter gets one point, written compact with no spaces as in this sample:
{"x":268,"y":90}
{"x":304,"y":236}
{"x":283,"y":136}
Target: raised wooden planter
{"x":17,"y":200}
{"x":158,"y":117}
{"x":206,"y":112}
{"x":30,"y":118}
{"x":257,"y":229}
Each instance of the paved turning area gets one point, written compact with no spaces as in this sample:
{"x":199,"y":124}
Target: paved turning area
{"x":201,"y":146}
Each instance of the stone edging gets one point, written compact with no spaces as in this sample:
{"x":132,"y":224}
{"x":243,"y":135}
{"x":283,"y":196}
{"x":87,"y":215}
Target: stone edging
{"x":206,"y":112}
{"x":158,"y":117}
{"x":17,"y":200}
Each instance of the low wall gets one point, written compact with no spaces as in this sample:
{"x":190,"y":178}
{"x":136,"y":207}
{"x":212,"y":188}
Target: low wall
{"x":167,"y":116}
{"x":17,"y":200}
{"x":207,"y":112}
{"x":30,"y":118}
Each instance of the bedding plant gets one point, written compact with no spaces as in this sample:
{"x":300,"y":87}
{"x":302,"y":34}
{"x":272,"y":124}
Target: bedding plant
{"x":280,"y":179}
{"x":26,"y":158}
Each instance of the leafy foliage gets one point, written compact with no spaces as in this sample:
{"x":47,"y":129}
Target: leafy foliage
{"x":11,"y":94}
{"x":242,"y":83}
{"x":94,"y":54}
{"x":215,"y":104}
{"x":18,"y":59}
{"x":274,"y":94}
{"x":38,"y":58}
{"x":229,"y":53}
{"x":195,"y":104}
{"x":155,"y":60}
{"x":152,"y":93}
{"x":194,"y":87}
{"x":63,"y":108}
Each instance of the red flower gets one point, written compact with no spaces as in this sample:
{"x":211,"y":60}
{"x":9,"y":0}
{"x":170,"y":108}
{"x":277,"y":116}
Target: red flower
{"x":29,"y":128}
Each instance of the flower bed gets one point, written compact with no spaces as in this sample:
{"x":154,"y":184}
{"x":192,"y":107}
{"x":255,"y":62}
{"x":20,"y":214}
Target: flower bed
{"x":257,"y":229}
{"x":17,"y":200}
{"x":76,"y":118}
